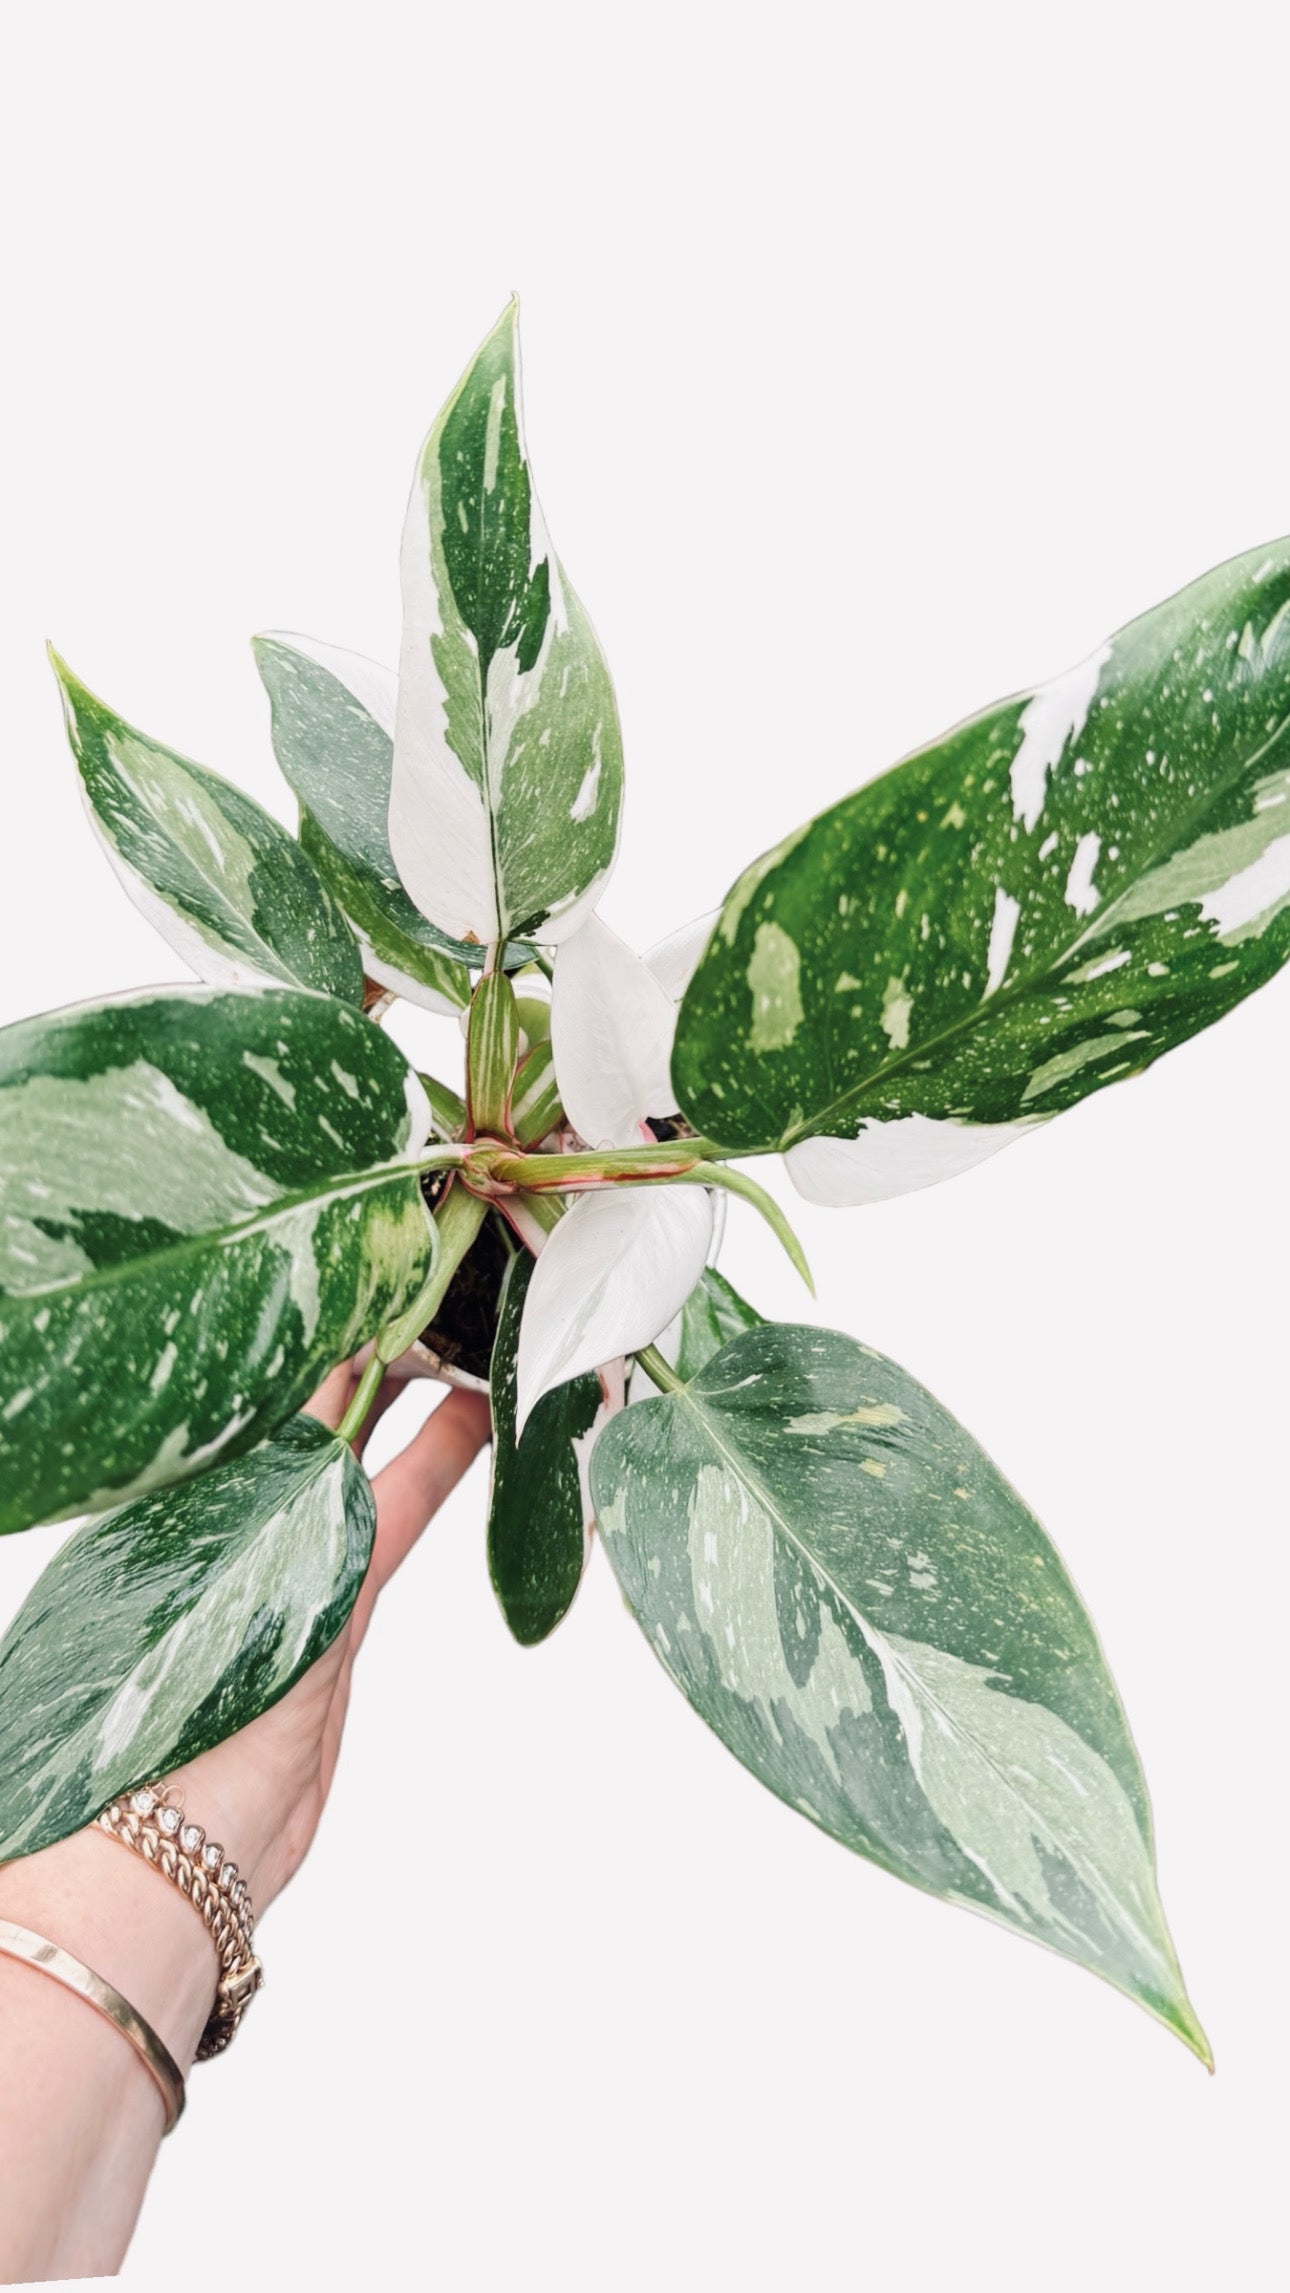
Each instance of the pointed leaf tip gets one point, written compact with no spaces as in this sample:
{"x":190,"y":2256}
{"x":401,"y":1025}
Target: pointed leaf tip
{"x":222,"y":881}
{"x":507,"y":754}
{"x":851,"y":1595}
{"x":1036,"y":905}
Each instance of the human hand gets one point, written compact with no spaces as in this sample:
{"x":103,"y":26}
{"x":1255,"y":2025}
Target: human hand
{"x":80,"y":2119}
{"x":262,"y":1791}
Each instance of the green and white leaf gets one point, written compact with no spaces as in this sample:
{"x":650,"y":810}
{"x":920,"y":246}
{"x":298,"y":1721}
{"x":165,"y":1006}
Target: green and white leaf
{"x":205,"y":1202}
{"x":333,"y":736}
{"x":539,"y":1513}
{"x":713,"y":1313}
{"x":1036,"y":905}
{"x":507,"y":755}
{"x":168,"y":1625}
{"x":855,"y":1600}
{"x":223,"y":882}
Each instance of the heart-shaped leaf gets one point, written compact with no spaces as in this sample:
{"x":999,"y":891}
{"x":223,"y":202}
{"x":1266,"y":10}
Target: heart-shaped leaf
{"x":204,"y":1203}
{"x":507,"y":755}
{"x":538,"y":1514}
{"x":855,"y":1600}
{"x":333,"y":736}
{"x":163,"y":1628}
{"x":620,"y":1264}
{"x":1038,"y":904}
{"x":223,"y":882}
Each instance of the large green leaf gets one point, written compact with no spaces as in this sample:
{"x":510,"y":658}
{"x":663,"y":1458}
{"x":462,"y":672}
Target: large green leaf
{"x":538,"y":1515}
{"x":203,"y":1205}
{"x":333,"y":735}
{"x":507,"y":755}
{"x":865,"y":1612}
{"x":230,"y":890}
{"x":165,"y":1627}
{"x":1036,"y":905}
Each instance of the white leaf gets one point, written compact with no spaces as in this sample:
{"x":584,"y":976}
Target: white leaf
{"x":617,"y":1268}
{"x":898,"y":1157}
{"x":438,"y":822}
{"x":611,"y":1032}
{"x":674,"y":960}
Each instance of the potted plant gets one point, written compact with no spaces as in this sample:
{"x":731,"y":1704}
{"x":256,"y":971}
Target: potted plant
{"x":213,"y":1193}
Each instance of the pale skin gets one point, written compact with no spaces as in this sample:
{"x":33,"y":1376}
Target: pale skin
{"x":80,"y":2116}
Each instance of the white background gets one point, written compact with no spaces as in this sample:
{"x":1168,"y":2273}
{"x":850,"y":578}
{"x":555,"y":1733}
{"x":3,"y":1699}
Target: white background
{"x":878,"y":362}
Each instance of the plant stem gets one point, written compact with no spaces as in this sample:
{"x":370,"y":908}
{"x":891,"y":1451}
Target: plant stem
{"x":351,"y":1423}
{"x":662,"y":1372}
{"x":456,"y":1223}
{"x":737,"y":1182}
{"x":531,"y":1216}
{"x":447,"y":1109}
{"x":446,"y":1157}
{"x":563,"y":1173}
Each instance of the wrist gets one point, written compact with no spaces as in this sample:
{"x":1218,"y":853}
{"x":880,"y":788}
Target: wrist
{"x":226,"y":1791}
{"x":127,"y":1923}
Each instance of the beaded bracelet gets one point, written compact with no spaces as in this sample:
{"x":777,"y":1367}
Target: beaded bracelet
{"x":151,"y":1821}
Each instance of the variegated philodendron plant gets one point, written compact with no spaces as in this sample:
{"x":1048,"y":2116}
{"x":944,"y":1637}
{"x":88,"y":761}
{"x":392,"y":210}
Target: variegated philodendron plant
{"x":212,"y":1193}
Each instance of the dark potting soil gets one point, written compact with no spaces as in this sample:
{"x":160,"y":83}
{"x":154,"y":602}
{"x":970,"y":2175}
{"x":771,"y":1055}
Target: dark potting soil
{"x":465,"y":1326}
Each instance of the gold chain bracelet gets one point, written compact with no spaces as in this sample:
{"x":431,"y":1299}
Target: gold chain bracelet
{"x":151,"y":1821}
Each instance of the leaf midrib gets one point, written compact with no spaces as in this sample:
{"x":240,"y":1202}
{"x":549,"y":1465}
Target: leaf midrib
{"x":353,"y":1185}
{"x":208,"y":1584}
{"x":989,"y":1005}
{"x":873,"y":1636}
{"x":277,"y":965}
{"x":481,"y":679}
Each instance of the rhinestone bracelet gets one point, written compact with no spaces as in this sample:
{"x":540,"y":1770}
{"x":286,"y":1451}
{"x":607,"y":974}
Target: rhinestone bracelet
{"x":151,"y":1820}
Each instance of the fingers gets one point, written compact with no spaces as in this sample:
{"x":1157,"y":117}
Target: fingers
{"x":337,"y":1390}
{"x":332,"y":1398}
{"x":410,"y":1490}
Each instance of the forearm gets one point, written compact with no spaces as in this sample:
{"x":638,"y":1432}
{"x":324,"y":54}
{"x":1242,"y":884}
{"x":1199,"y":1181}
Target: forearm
{"x":80,"y":2115}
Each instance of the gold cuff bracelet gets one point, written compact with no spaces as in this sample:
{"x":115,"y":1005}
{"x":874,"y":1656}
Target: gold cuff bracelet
{"x":34,"y":1951}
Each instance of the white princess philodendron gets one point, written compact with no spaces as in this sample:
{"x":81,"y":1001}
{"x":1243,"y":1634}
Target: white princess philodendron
{"x":212,"y":1193}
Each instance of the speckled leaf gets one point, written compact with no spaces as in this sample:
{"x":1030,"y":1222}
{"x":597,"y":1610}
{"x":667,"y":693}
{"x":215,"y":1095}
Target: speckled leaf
{"x":865,"y":1612}
{"x":1036,"y":905}
{"x":537,"y":1521}
{"x":203,"y":1205}
{"x":223,"y":882}
{"x":713,"y":1313}
{"x":171,"y":1623}
{"x":333,"y":735}
{"x":507,"y":756}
